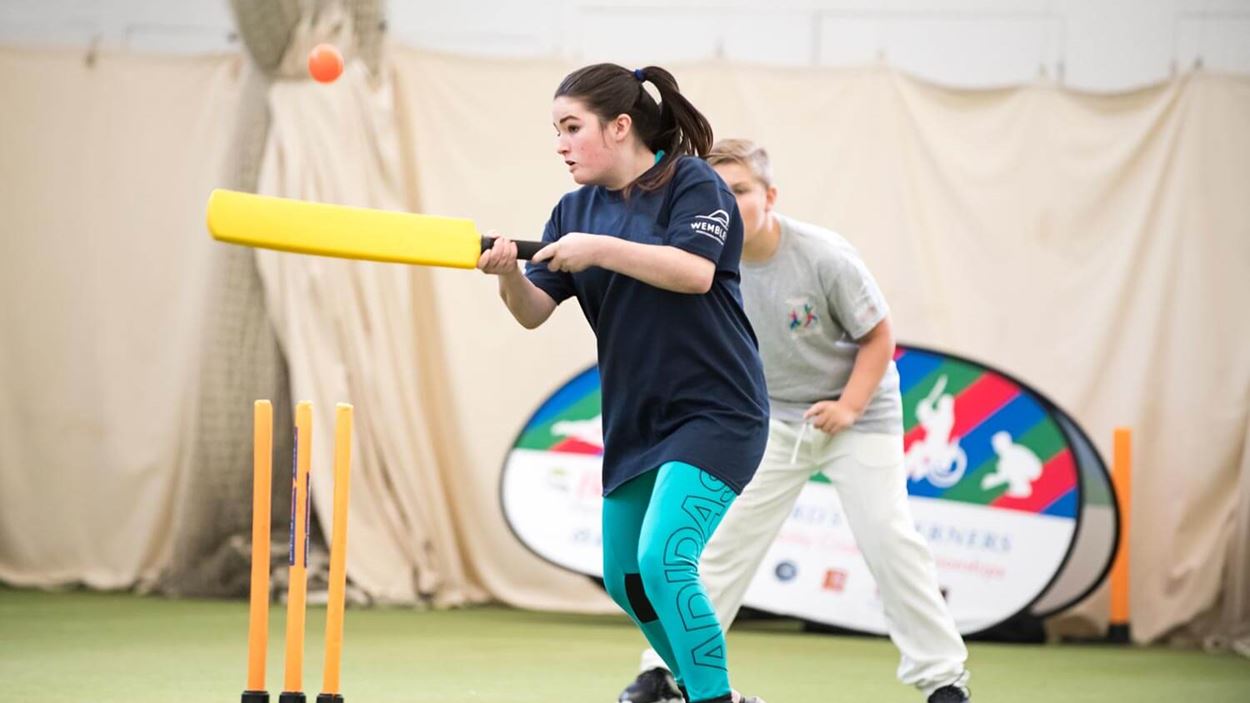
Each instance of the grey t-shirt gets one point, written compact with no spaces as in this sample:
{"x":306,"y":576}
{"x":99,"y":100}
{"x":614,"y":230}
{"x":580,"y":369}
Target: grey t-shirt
{"x":808,"y":305}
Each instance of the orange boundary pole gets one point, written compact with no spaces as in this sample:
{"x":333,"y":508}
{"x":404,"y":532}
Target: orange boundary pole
{"x":1122,"y":480}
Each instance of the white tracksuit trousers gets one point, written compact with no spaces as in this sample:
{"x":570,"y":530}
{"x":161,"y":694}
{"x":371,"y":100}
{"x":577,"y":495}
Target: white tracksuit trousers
{"x":867,"y":471}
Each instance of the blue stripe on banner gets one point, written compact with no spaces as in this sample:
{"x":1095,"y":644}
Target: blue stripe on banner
{"x":1018,"y":416}
{"x":570,"y":394}
{"x":923,"y":489}
{"x":913,"y":366}
{"x":1064,"y":505}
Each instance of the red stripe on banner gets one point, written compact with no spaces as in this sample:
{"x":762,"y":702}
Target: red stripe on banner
{"x":576,"y":446}
{"x":916,"y":434}
{"x":1058,"y":476}
{"x":979,"y":401}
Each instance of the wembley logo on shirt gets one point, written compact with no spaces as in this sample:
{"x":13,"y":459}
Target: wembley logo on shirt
{"x":715,"y":225}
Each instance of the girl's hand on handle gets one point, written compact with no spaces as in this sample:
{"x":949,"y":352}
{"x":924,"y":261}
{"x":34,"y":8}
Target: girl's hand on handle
{"x":500,"y":259}
{"x":574,"y":252}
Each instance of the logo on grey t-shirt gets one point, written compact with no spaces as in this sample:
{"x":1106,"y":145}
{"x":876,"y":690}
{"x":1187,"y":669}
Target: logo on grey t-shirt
{"x":802,"y":320}
{"x":715,"y":225}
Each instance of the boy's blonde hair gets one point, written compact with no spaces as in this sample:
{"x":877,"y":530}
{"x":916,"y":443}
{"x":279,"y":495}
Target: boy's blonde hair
{"x":746,"y":153}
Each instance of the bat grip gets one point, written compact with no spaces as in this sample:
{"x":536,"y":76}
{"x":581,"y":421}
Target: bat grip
{"x":524,"y":250}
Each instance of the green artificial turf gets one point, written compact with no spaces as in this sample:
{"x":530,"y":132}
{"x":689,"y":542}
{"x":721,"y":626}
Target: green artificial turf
{"x":85,"y":647}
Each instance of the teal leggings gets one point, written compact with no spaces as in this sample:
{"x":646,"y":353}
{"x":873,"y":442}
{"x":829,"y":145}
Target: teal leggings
{"x":654,"y":529}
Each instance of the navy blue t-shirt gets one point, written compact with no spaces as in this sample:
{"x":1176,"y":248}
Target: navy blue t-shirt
{"x":681,"y":373}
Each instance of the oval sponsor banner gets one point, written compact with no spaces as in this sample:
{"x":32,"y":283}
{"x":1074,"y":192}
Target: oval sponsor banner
{"x":992,"y":476}
{"x":1097,"y":527}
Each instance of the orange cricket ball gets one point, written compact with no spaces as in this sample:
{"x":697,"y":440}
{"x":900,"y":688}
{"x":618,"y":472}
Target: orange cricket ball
{"x":325,"y":63}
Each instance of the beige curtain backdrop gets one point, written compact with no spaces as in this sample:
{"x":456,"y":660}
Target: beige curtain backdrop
{"x":104,"y":167}
{"x":240,"y":362}
{"x":1096,"y":246}
{"x":360,"y":332}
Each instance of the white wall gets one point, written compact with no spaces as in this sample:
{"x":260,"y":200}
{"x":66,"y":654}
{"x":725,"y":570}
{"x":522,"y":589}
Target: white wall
{"x":1087,"y":44}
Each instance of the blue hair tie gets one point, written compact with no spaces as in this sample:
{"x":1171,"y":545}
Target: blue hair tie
{"x":659,"y":156}
{"x":638,"y":75}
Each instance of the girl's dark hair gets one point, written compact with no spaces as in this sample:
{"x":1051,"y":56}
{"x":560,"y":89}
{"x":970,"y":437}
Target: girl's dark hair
{"x":673,"y":125}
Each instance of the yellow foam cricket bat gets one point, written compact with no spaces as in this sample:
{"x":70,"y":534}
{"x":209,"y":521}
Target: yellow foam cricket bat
{"x":348,"y":232}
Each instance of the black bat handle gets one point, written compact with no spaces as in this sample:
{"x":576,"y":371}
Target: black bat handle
{"x":524,"y":250}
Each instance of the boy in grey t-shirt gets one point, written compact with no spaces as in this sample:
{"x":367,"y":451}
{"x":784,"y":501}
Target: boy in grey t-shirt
{"x":812,"y":303}
{"x":828,"y":350}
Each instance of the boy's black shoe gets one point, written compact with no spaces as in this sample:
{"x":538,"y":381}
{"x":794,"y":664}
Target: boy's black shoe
{"x":950,"y":694}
